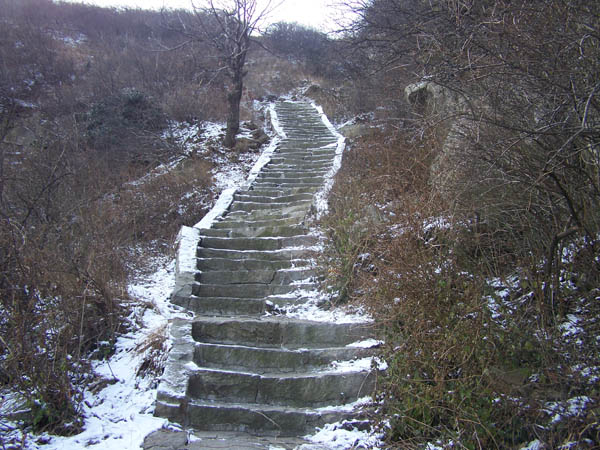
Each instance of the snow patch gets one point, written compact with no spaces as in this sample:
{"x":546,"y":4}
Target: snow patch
{"x":120,"y":415}
{"x":320,"y":201}
{"x":367,"y":343}
{"x":311,"y":309}
{"x":341,"y":436}
{"x":218,"y":210}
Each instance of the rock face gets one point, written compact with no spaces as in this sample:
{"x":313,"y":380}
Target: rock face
{"x":442,"y":104}
{"x":238,"y":366}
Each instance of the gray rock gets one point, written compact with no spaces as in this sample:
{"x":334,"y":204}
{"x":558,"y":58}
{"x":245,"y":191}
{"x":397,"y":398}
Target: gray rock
{"x":166,"y":440}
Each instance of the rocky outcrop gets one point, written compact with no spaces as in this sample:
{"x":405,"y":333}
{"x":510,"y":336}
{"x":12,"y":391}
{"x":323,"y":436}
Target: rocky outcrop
{"x":454,"y":109}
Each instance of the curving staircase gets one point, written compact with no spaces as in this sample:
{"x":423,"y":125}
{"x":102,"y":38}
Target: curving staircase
{"x":240,"y":365}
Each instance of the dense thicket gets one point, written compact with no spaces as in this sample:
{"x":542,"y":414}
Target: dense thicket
{"x":85,"y":97}
{"x":300,"y":43}
{"x":484,"y":241}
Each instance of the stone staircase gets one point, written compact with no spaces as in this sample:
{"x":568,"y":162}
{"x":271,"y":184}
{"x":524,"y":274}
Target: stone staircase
{"x":240,"y":365}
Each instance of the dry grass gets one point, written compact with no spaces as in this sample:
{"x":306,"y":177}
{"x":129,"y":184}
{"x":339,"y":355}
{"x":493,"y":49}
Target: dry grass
{"x":456,"y":370}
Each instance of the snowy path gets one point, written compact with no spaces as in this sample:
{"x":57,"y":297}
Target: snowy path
{"x":260,"y":357}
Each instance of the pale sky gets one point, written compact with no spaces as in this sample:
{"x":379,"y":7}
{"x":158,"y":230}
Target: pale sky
{"x":315,"y":13}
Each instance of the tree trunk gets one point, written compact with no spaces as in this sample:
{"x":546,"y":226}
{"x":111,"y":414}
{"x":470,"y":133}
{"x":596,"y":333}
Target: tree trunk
{"x":234,"y":98}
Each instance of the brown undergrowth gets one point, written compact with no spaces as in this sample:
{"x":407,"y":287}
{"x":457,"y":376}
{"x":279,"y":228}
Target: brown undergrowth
{"x":469,"y":360}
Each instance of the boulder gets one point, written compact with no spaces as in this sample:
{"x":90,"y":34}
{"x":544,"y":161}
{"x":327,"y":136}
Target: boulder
{"x":441,"y":103}
{"x":354,"y":130}
{"x":165,"y":440}
{"x":429,"y":98}
{"x":244,"y":145}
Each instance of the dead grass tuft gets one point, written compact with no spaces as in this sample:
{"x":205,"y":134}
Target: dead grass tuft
{"x":469,"y":357}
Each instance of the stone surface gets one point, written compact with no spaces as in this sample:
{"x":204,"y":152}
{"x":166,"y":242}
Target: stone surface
{"x":234,"y":370}
{"x":182,"y":440}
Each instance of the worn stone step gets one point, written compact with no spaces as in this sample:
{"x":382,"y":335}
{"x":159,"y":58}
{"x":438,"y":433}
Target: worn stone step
{"x":312,"y":143}
{"x":226,"y":306}
{"x":277,"y":332}
{"x":273,"y":255}
{"x":307,"y":136}
{"x":292,"y":174}
{"x":299,"y":163}
{"x":234,"y":223}
{"x":297,"y":390}
{"x":250,"y":196}
{"x":274,"y":231}
{"x":300,"y":158}
{"x":281,"y":163}
{"x":293,"y":212}
{"x":254,"y":206}
{"x":318,"y":151}
{"x":318,"y":180}
{"x":255,"y":419}
{"x":258,"y":243}
{"x":307,"y":129}
{"x":213,"y":232}
{"x":284,"y":190}
{"x":263,"y":276}
{"x":275,"y":184}
{"x":273,"y":360}
{"x":218,"y":264}
{"x":300,"y":169}
{"x":247,"y":290}
{"x":236,"y":306}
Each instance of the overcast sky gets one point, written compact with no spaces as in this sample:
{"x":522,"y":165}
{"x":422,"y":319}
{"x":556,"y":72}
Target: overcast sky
{"x":314,"y":13}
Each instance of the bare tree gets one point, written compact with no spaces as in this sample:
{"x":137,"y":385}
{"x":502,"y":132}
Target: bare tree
{"x":227,"y":26}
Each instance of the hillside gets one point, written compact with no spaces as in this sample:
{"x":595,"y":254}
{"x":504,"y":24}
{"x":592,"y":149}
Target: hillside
{"x":109,"y":143}
{"x":464,"y":217}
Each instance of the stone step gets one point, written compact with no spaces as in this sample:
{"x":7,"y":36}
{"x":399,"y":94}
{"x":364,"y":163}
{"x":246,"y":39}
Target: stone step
{"x":306,"y":155}
{"x":293,"y":212}
{"x":226,"y":306}
{"x":270,"y":184}
{"x":291,"y":174}
{"x":258,"y":243}
{"x":250,"y":196}
{"x":214,"y":232}
{"x":274,"y":255}
{"x":234,"y":224}
{"x":307,"y":123}
{"x":307,"y":130}
{"x":275,"y":277}
{"x":301,"y":162}
{"x":313,"y":390}
{"x":280,"y":163}
{"x":248,"y":290}
{"x":297,"y":168}
{"x":307,"y":136}
{"x":318,"y":151}
{"x":236,"y":306}
{"x":255,"y":206}
{"x":282,"y":190}
{"x":275,"y":231}
{"x":219,"y":264}
{"x":268,"y":178}
{"x":273,"y":360}
{"x":262,"y":420}
{"x":324,"y":143}
{"x":277,"y":332}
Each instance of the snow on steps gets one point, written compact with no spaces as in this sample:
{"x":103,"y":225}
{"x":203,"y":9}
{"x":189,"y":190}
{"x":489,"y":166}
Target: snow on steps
{"x":241,"y":365}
